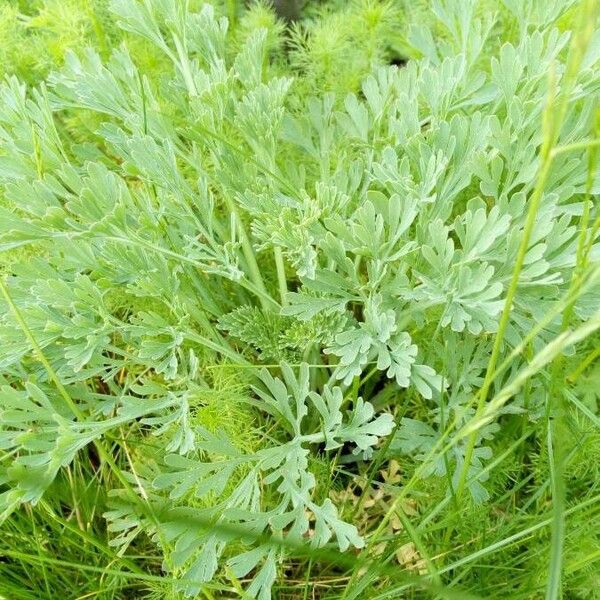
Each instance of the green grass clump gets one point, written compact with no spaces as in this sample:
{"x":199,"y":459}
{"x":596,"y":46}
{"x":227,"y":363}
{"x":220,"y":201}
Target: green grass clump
{"x":300,"y":308}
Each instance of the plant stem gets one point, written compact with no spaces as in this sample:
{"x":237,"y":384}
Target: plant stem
{"x":281,"y":278}
{"x":265,"y":298}
{"x":39,"y":353}
{"x":534,"y":205}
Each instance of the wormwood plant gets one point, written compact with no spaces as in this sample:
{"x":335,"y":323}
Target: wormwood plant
{"x":385,"y":274}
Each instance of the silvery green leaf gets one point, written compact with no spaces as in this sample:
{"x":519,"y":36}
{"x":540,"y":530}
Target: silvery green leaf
{"x":327,"y":522}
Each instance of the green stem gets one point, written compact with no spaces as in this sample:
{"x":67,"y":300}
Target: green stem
{"x":419,"y":545}
{"x":265,"y":298}
{"x":232,"y":15}
{"x":575,"y":146}
{"x":556,"y":408}
{"x":281,"y":278}
{"x":38,"y":351}
{"x":534,"y":205}
{"x":183,"y":63}
{"x":220,"y":348}
{"x":587,"y":361}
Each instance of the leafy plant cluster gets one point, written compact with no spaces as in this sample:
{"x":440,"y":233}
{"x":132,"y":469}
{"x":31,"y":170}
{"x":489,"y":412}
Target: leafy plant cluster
{"x":230,"y":277}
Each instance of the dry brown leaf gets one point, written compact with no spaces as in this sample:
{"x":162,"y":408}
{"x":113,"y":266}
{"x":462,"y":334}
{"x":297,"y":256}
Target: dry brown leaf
{"x":409,"y":557}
